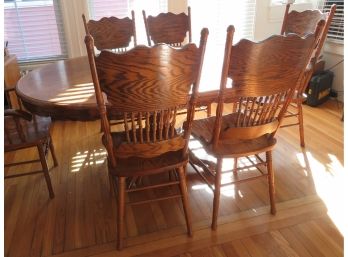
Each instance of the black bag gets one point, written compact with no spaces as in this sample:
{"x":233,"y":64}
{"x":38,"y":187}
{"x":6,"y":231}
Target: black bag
{"x":319,"y":88}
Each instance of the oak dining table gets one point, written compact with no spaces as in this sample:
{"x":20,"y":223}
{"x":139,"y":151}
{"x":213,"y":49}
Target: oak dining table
{"x":64,"y":90}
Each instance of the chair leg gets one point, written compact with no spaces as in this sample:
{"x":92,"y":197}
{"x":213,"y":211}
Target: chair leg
{"x":45,"y":169}
{"x":185,"y":201}
{"x":53,"y":153}
{"x":35,"y":123}
{"x":120,"y":211}
{"x":112,"y":186}
{"x":235,"y":166}
{"x":216,"y":202}
{"x":271,"y":181}
{"x":300,"y":122}
{"x":208,"y":110}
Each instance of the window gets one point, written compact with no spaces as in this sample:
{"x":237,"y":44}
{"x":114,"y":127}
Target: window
{"x":216,"y":17}
{"x":34,"y":29}
{"x":336,"y":30}
{"x":283,"y":2}
{"x":123,"y":8}
{"x":277,"y":2}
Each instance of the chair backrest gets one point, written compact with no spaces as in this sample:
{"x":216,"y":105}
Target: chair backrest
{"x":12,"y":75}
{"x":111,"y":33}
{"x":305,"y":22}
{"x":22,"y":130}
{"x":147,"y":86}
{"x":263,"y":76}
{"x":168,"y":28}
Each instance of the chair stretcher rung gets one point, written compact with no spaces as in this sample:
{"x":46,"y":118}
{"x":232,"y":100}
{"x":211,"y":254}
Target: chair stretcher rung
{"x":202,"y":176}
{"x":291,"y":115}
{"x":261,"y":163}
{"x":256,"y":165}
{"x":196,"y":161}
{"x":153,"y":186}
{"x":21,"y":163}
{"x":243,"y":180}
{"x":290,"y":125}
{"x":24,"y":174}
{"x":155,"y":200}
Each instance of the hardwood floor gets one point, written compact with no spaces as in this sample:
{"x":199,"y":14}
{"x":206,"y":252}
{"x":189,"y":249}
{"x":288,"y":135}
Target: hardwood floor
{"x":81,"y":219}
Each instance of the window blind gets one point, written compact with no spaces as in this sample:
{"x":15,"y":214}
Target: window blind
{"x":123,"y":8}
{"x":336,"y":30}
{"x":34,"y":30}
{"x":216,"y":16}
{"x":284,"y":2}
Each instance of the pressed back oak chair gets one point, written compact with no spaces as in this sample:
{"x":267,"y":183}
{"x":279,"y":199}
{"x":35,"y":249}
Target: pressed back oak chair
{"x":169,"y":28}
{"x":112,"y":33}
{"x":22,"y":132}
{"x":147,"y":86}
{"x":303,"y":23}
{"x":263,"y":77}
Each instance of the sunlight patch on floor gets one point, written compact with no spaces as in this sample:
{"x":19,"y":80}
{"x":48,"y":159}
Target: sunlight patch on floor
{"x":329,"y":182}
{"x":227,"y":175}
{"x":301,"y":159}
{"x":202,"y":187}
{"x":87,"y":158}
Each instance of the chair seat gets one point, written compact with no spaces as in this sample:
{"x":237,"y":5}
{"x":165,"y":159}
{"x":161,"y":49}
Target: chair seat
{"x":35,"y":132}
{"x":203,"y":130}
{"x":135,"y":166}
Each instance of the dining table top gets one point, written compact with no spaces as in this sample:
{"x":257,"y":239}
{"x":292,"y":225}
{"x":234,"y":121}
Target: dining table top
{"x":64,"y":90}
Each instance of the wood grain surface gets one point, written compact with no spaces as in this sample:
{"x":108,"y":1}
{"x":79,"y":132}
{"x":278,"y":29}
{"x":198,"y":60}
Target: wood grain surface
{"x":112,"y":32}
{"x":168,"y":28}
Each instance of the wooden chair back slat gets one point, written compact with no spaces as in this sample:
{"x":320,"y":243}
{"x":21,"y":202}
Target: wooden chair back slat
{"x":173,"y":123}
{"x":112,"y":33}
{"x":146,"y":85}
{"x":140,"y":124}
{"x":263,"y":77}
{"x":168,"y":28}
{"x":154,"y":126}
{"x":147,"y":127}
{"x":126,"y":128}
{"x":134,"y":128}
{"x":160,"y":125}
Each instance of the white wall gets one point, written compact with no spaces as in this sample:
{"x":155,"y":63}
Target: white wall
{"x":177,"y":6}
{"x":332,"y":54}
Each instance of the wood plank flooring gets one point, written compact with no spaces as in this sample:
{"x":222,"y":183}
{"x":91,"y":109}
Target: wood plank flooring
{"x":81,"y":220}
